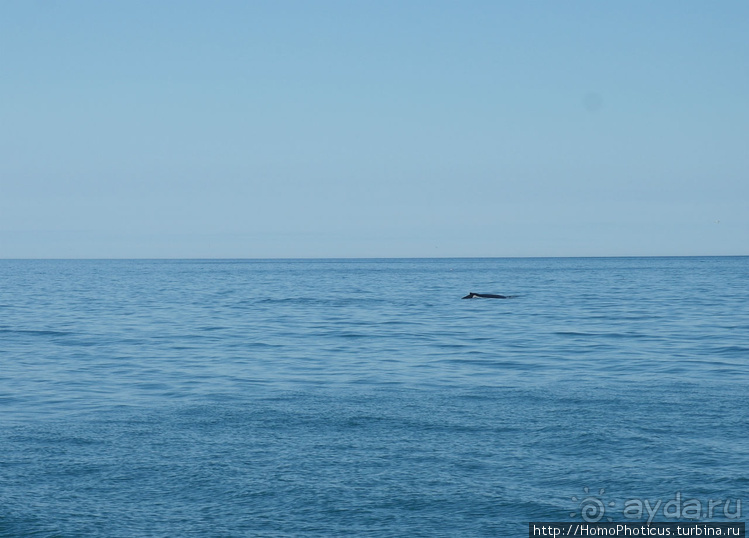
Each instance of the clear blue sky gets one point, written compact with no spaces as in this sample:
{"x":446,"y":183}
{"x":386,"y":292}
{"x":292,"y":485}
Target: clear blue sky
{"x":373,"y":128}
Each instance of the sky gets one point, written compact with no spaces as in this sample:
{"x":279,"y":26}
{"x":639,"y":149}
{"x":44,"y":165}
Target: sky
{"x":373,"y":128}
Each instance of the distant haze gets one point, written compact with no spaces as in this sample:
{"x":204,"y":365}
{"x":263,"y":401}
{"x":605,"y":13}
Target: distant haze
{"x":251,"y":129}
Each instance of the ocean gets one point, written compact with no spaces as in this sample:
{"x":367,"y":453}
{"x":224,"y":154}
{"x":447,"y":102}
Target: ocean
{"x":364,"y":397}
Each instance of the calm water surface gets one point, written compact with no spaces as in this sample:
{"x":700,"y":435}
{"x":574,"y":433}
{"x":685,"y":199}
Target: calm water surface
{"x":364,"y":397}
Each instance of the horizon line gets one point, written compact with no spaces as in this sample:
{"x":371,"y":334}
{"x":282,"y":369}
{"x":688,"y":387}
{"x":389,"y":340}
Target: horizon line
{"x":322,"y":258}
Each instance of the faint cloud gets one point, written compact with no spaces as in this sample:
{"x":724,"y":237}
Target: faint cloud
{"x":592,"y":102}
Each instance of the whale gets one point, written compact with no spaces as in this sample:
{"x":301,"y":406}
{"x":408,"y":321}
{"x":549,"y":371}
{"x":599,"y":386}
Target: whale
{"x":473,"y":295}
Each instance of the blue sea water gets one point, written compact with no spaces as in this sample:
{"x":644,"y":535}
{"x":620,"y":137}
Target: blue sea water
{"x":365,"y":398}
